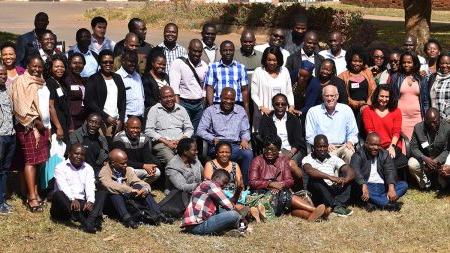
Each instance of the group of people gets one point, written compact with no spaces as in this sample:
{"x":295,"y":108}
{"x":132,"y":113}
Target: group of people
{"x":231,"y":134}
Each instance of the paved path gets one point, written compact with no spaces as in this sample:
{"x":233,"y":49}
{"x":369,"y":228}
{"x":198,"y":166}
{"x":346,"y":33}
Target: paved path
{"x":66,"y":17}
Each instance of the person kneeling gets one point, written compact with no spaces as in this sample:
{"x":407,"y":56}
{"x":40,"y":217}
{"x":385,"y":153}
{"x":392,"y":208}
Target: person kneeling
{"x":201,"y":217}
{"x":128,"y":191}
{"x":270,"y":175}
{"x":377,"y":175}
{"x":75,"y":197}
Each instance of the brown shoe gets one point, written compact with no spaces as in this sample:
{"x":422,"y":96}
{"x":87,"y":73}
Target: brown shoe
{"x":255,"y":214}
{"x":317,"y":213}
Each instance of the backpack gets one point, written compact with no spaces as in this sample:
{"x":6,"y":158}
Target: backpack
{"x":142,"y":213}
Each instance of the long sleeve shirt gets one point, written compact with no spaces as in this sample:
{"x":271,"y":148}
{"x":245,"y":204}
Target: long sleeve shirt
{"x":134,"y":91}
{"x":387,"y":127}
{"x":76,"y":183}
{"x":172,"y":125}
{"x":183,"y":81}
{"x":215,"y":123}
{"x":262,"y":173}
{"x":205,"y":199}
{"x":339,"y":127}
{"x":139,"y":151}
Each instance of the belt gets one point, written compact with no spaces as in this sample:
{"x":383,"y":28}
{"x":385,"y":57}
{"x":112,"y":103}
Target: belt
{"x":191,"y":101}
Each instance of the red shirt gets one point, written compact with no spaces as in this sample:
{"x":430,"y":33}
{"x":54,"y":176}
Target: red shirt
{"x":387,"y":127}
{"x":262,"y":173}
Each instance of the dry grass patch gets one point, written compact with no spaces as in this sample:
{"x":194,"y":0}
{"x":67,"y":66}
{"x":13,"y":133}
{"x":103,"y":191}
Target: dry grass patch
{"x":423,"y":225}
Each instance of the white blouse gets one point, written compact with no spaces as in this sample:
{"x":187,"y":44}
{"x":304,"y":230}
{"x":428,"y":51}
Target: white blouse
{"x":264,"y":87}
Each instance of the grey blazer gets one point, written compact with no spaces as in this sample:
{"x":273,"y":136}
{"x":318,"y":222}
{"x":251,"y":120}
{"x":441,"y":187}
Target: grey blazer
{"x":422,"y":146}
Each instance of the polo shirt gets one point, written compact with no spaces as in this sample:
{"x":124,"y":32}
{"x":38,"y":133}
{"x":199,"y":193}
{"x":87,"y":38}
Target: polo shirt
{"x":339,"y":60}
{"x":329,"y":166}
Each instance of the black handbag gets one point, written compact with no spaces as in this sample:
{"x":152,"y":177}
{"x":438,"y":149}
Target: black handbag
{"x":281,"y":201}
{"x":174,"y":204}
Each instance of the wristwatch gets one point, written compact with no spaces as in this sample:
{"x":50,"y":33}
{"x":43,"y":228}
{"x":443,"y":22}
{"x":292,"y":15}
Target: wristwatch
{"x":393,"y":145}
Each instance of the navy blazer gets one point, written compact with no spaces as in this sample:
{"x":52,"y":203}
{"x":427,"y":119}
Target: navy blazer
{"x":25,"y":48}
{"x":96,"y":93}
{"x":361,"y":163}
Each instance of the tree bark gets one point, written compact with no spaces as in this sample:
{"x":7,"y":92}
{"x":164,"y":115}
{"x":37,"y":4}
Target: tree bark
{"x":418,"y":20}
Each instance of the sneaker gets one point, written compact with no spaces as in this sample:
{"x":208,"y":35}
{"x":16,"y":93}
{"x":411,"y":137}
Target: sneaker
{"x":9,"y":206}
{"x":392,"y":207}
{"x":4,"y":210}
{"x":130,"y":223}
{"x":342,"y":211}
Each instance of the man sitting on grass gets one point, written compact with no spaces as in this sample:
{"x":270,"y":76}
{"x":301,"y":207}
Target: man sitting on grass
{"x":201,"y":217}
{"x":75,"y":197}
{"x":330,"y":178}
{"x":376,"y":174}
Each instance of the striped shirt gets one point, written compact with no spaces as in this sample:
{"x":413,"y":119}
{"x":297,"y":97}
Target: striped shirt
{"x":220,"y":76}
{"x":172,"y":54}
{"x":204,"y":202}
{"x":440,"y":95}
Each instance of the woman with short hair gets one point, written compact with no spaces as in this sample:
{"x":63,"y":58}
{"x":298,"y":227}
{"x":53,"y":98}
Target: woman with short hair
{"x":77,"y":90}
{"x":8,"y":54}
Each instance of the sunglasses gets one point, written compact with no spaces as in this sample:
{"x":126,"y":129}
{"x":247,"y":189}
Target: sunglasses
{"x":280,"y":104}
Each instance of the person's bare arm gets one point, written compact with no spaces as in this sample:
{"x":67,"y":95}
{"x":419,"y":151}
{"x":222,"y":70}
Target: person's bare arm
{"x":317,"y":174}
{"x":55,"y":120}
{"x":209,"y":94}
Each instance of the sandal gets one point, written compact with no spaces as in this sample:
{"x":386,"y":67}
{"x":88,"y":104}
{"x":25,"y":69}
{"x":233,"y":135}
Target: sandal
{"x":34,"y":209}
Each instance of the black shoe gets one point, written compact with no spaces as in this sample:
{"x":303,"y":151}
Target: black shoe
{"x":98,"y":225}
{"x":89,"y":228}
{"x":370,"y":207}
{"x":392,"y":207}
{"x":166,"y":220}
{"x":130,"y":223}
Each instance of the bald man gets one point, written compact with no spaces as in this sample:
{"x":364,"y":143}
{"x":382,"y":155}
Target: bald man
{"x":308,"y":53}
{"x":131,"y":42}
{"x":376,"y":176}
{"x":138,"y":148}
{"x":336,"y":121}
{"x":246,"y":54}
{"x":186,"y":77}
{"x":75,"y":197}
{"x":167,"y":123}
{"x":429,"y":149}
{"x":335,"y":52}
{"x":124,"y":187}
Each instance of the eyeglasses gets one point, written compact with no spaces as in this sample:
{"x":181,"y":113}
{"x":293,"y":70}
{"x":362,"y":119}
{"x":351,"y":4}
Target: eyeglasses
{"x":280,"y":104}
{"x":278,"y":36}
{"x":107,"y":62}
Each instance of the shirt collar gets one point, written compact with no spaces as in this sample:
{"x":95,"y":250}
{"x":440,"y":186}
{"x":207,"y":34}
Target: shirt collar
{"x":341,"y":54}
{"x":166,"y":48}
{"x":105,"y":40}
{"x":282,"y":119}
{"x":77,"y":50}
{"x":221,"y":64}
{"x":68,"y":163}
{"x":324,"y":109}
{"x":123,"y":73}
{"x":209,"y":48}
{"x":252,"y":54}
{"x":302,"y":52}
{"x":328,"y":156}
{"x":162,"y":107}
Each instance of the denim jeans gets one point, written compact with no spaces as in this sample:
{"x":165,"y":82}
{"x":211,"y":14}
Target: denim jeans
{"x":7,"y":149}
{"x":217,"y":223}
{"x":378,"y":192}
{"x":195,"y":111}
{"x":243,"y":156}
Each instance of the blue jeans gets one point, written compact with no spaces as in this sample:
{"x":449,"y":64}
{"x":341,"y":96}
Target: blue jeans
{"x":243,"y":156}
{"x":194,"y":110}
{"x":7,"y":149}
{"x":378,"y":192}
{"x":217,"y":223}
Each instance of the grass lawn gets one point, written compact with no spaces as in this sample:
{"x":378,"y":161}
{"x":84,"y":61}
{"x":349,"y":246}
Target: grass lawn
{"x":422,"y":225}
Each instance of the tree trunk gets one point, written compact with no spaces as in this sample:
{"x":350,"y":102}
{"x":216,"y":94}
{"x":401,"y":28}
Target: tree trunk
{"x":418,"y":20}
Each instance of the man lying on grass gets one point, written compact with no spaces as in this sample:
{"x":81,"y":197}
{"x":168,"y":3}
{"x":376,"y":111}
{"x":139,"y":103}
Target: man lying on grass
{"x":200,"y":216}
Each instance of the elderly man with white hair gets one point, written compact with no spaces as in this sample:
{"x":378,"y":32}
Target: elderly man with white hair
{"x":336,"y":121}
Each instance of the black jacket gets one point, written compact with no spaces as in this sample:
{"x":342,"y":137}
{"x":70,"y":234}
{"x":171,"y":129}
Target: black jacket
{"x":96,"y":93}
{"x":438,"y":149}
{"x":360,"y":162}
{"x":294,"y":131}
{"x":151,"y":90}
{"x":294,"y":63}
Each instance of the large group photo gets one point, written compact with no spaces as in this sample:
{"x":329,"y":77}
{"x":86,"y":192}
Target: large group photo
{"x":254,"y":127}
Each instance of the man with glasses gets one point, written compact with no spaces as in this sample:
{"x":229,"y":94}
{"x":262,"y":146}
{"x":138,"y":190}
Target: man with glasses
{"x":277,"y":38}
{"x":336,"y":121}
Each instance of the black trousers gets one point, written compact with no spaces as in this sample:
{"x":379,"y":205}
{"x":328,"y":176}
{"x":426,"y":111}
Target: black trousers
{"x":329,"y":195}
{"x":60,"y":209}
{"x":119,"y":204}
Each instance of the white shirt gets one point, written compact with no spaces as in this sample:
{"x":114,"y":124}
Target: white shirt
{"x":46,"y":57}
{"x":329,"y":166}
{"x":280,"y":124}
{"x":423,"y":63}
{"x":44,"y":107}
{"x":263,"y":47}
{"x":134,"y":93}
{"x":339,"y":60}
{"x":91,"y":65}
{"x":374,"y":177}
{"x":183,"y":81}
{"x":112,"y":93}
{"x":210,"y":52}
{"x":75,"y":183}
{"x":264,"y":87}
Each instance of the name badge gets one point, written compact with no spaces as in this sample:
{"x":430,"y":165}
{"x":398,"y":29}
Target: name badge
{"x":59,"y":92}
{"x":74,"y":87}
{"x":355,"y":85}
{"x":425,"y":144}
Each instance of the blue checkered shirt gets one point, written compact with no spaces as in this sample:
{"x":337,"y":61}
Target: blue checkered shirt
{"x":220,"y":76}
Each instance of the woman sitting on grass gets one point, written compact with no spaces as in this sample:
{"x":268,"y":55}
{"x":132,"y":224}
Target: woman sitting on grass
{"x":270,"y":177}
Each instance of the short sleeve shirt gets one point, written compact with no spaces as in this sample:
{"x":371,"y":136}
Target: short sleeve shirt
{"x":330,"y":165}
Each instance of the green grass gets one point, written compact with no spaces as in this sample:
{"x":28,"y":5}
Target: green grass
{"x":421,"y":226}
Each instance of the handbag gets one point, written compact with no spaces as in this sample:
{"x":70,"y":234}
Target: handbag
{"x":174,"y":204}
